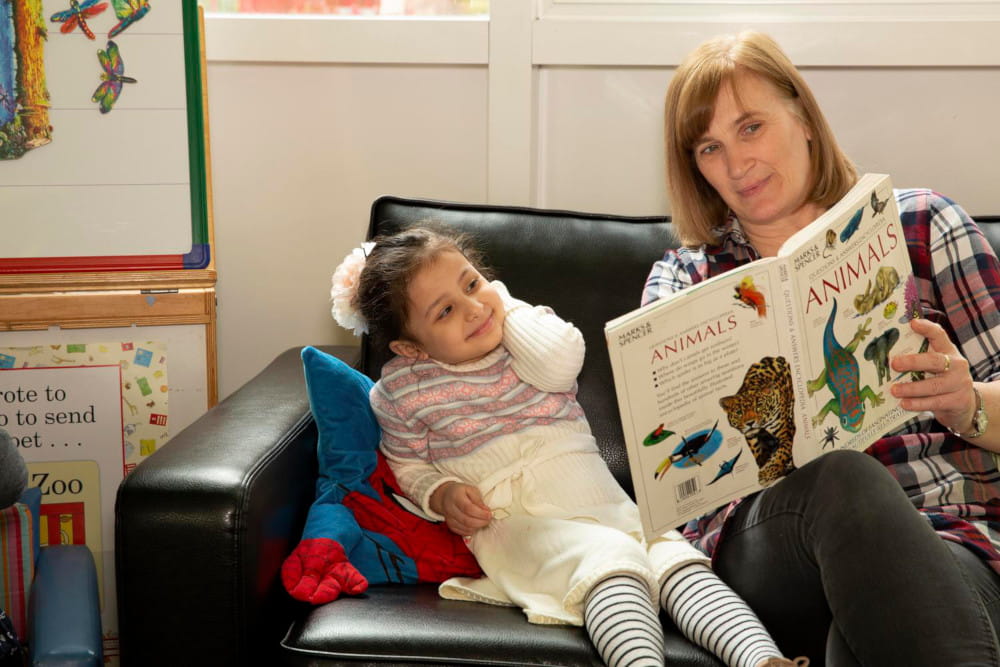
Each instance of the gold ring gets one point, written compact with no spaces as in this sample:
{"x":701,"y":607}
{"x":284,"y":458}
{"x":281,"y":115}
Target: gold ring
{"x":947,"y":363}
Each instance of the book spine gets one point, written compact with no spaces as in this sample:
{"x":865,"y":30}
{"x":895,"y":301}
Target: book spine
{"x":794,"y":351}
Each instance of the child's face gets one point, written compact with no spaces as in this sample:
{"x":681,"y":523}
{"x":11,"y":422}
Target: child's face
{"x":454,"y":315}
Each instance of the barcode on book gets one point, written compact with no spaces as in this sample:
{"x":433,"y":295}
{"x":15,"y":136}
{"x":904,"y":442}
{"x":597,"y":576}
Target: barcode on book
{"x":686,"y":489}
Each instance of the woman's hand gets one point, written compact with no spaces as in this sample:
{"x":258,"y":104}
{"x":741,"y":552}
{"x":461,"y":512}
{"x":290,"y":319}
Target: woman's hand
{"x":462,"y":507}
{"x":946,"y":389}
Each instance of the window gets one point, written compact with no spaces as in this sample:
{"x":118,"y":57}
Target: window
{"x":352,"y":7}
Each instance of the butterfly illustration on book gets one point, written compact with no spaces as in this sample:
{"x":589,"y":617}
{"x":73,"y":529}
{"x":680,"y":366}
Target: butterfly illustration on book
{"x":77,"y":15}
{"x":878,"y":206}
{"x":128,"y":12}
{"x":112,"y":77}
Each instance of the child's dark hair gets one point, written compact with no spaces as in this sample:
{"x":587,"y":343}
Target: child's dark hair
{"x":383,"y":286}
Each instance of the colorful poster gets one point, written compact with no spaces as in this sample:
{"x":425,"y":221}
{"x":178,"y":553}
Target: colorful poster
{"x":83,"y":416}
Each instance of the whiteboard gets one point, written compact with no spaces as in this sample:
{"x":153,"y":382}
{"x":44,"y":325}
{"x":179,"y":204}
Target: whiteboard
{"x":117,"y":190}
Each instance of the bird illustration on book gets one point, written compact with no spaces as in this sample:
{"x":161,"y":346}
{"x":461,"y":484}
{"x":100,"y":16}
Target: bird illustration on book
{"x":128,"y":12}
{"x":852,"y":225}
{"x":693,"y":450}
{"x":77,"y":15}
{"x":658,"y":435}
{"x":748,"y":295}
{"x":112,"y":77}
{"x":878,"y":205}
{"x":726,"y":468}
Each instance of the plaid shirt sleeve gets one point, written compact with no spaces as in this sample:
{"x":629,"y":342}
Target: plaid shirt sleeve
{"x":666,"y":277}
{"x":958,"y":276}
{"x":684,"y":267}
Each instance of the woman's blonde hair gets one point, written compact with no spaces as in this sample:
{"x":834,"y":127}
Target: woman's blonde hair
{"x":697,"y":209}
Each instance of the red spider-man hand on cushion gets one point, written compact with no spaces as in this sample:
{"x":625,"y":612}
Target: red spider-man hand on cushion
{"x":360,"y":528}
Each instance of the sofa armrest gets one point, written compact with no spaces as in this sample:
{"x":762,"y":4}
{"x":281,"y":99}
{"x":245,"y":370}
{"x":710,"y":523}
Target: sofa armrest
{"x":203,"y":525}
{"x":65,"y":609}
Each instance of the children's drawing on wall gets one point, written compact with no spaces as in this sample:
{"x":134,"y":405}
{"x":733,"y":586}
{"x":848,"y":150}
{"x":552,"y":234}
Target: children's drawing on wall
{"x":77,"y":15}
{"x":112,"y":78}
{"x":24,"y":98}
{"x":127,"y":12}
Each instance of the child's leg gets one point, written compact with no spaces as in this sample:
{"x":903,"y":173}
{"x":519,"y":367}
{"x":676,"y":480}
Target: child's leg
{"x":623,"y":622}
{"x":711,"y":615}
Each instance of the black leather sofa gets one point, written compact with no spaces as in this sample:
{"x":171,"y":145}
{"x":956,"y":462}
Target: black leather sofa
{"x":203,"y":525}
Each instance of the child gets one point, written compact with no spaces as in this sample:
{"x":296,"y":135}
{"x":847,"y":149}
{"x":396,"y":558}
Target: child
{"x":481,"y":426}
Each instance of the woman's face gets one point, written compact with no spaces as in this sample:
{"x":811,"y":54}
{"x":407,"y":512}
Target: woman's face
{"x":756,"y":155}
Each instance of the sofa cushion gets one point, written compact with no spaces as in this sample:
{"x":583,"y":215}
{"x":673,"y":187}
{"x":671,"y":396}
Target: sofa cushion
{"x":348,"y":432}
{"x":359,"y":504}
{"x":403,"y":625}
{"x":412,"y":625}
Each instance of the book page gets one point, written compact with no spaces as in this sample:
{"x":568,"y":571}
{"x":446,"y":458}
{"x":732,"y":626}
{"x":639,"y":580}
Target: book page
{"x":673,"y":364}
{"x":855,"y":294}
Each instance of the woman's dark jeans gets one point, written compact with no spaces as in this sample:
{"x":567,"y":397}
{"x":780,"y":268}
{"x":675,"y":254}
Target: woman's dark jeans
{"x":840,"y":567}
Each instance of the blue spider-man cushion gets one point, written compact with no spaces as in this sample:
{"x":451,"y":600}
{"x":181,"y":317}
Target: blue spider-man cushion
{"x":359,"y":515}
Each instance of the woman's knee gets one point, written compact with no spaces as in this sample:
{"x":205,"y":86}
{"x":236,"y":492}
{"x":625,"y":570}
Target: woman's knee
{"x":851,"y":485}
{"x":851,"y":473}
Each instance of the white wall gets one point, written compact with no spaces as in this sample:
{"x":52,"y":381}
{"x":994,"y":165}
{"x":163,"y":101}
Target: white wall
{"x":556,"y":104}
{"x":294,"y":176}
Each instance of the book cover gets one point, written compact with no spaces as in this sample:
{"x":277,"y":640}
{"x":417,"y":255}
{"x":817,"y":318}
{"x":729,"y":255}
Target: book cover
{"x":727,"y":386}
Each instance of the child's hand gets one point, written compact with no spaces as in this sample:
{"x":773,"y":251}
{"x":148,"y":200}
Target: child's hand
{"x":462,"y":507}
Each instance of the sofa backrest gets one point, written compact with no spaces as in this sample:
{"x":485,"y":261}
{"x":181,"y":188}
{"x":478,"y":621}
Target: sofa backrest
{"x":588,"y":267}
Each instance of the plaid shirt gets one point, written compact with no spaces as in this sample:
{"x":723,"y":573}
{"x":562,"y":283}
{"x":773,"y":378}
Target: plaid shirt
{"x":955,"y":484}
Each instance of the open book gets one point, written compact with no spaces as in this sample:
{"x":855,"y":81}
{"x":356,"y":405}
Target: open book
{"x":730,"y":384}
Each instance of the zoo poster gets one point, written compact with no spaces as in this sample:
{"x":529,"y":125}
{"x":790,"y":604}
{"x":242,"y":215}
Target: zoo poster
{"x":102,"y":139}
{"x":83,"y":416}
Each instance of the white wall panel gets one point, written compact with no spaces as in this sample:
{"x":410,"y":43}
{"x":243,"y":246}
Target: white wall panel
{"x":602,"y":135}
{"x":601,"y":139}
{"x":298,"y":155}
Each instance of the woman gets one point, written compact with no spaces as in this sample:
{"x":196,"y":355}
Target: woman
{"x":834,"y":559}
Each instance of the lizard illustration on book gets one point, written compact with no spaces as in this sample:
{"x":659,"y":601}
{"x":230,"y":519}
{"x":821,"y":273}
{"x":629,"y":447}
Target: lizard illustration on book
{"x":842,"y":375}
